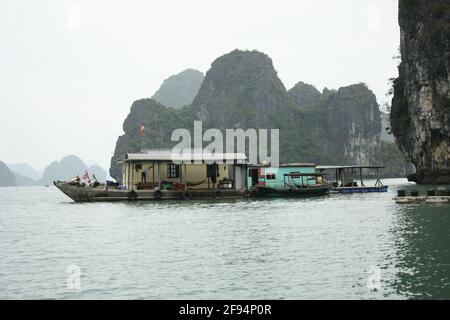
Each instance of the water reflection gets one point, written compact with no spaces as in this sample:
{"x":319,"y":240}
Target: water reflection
{"x":422,"y":234}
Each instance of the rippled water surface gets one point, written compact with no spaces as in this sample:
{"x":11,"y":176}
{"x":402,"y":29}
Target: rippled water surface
{"x":327,"y":247}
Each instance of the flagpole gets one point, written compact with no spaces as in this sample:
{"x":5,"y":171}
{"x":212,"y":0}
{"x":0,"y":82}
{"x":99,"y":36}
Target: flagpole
{"x":141,"y":134}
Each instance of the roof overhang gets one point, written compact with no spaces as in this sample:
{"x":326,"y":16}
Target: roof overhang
{"x":168,"y":155}
{"x":347,"y":167}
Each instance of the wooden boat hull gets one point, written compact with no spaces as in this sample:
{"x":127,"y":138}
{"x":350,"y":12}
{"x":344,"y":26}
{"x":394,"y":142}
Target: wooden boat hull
{"x":301,"y":192}
{"x":89,"y":194}
{"x":360,"y":189}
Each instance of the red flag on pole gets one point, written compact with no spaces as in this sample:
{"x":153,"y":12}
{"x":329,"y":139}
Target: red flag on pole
{"x":86,"y":176}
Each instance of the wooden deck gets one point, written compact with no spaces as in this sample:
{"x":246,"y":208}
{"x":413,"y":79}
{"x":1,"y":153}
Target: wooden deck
{"x":360,"y":189}
{"x":422,"y":199}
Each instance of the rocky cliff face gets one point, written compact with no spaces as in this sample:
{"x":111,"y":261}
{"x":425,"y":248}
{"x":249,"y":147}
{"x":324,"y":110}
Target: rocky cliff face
{"x":344,"y":123}
{"x":179,"y":90}
{"x":352,"y":122}
{"x":420,"y":115}
{"x":7,"y":178}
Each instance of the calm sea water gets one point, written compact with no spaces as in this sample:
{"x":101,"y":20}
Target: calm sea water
{"x":339,"y":246}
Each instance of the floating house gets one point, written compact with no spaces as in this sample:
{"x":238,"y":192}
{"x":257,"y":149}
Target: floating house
{"x":159,"y":174}
{"x":197,"y":170}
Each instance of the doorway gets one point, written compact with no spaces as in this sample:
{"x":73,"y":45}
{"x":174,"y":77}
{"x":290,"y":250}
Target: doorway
{"x":253,"y":174}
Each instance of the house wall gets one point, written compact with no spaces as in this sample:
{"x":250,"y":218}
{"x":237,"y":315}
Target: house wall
{"x":239,"y":177}
{"x":190,"y":173}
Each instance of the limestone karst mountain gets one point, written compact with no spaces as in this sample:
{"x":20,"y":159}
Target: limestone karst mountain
{"x":24,"y":181}
{"x":7,"y":178}
{"x":345,"y":123}
{"x":304,"y":95}
{"x":420,"y":114}
{"x":25,"y":170}
{"x":242,"y":89}
{"x":67,"y":168}
{"x":179,"y":90}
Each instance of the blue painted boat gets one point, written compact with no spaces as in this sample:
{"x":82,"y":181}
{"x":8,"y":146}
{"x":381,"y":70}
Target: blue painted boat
{"x":287,"y":180}
{"x":360,"y":189}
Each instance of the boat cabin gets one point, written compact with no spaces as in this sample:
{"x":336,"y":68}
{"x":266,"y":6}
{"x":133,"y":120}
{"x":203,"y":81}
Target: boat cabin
{"x":159,"y":168}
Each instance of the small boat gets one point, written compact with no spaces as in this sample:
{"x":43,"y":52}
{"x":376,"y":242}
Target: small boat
{"x":360,"y":189}
{"x":287,"y":180}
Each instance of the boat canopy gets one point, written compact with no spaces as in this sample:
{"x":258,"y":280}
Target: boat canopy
{"x":344,"y":174}
{"x":297,"y":175}
{"x":285,"y":165}
{"x":347,"y":167}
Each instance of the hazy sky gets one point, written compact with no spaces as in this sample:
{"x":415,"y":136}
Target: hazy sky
{"x":70,"y":70}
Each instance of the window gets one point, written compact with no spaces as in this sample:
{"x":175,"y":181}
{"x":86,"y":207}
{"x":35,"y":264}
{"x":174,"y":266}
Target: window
{"x":271,"y":176}
{"x":173,"y":170}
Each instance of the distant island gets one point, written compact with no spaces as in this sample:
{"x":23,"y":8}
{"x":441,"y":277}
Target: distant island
{"x":7,"y":178}
{"x":23,"y":174}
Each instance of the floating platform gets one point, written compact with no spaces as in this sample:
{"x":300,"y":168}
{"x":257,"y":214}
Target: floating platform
{"x":422,"y":199}
{"x":360,"y":189}
{"x":90,"y":194}
{"x":262,"y":191}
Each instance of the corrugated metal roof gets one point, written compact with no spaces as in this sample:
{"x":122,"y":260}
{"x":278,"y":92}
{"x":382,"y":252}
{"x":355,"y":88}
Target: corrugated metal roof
{"x":286,"y":165}
{"x":167,"y":155}
{"x":283,"y":165}
{"x":348,"y":167}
